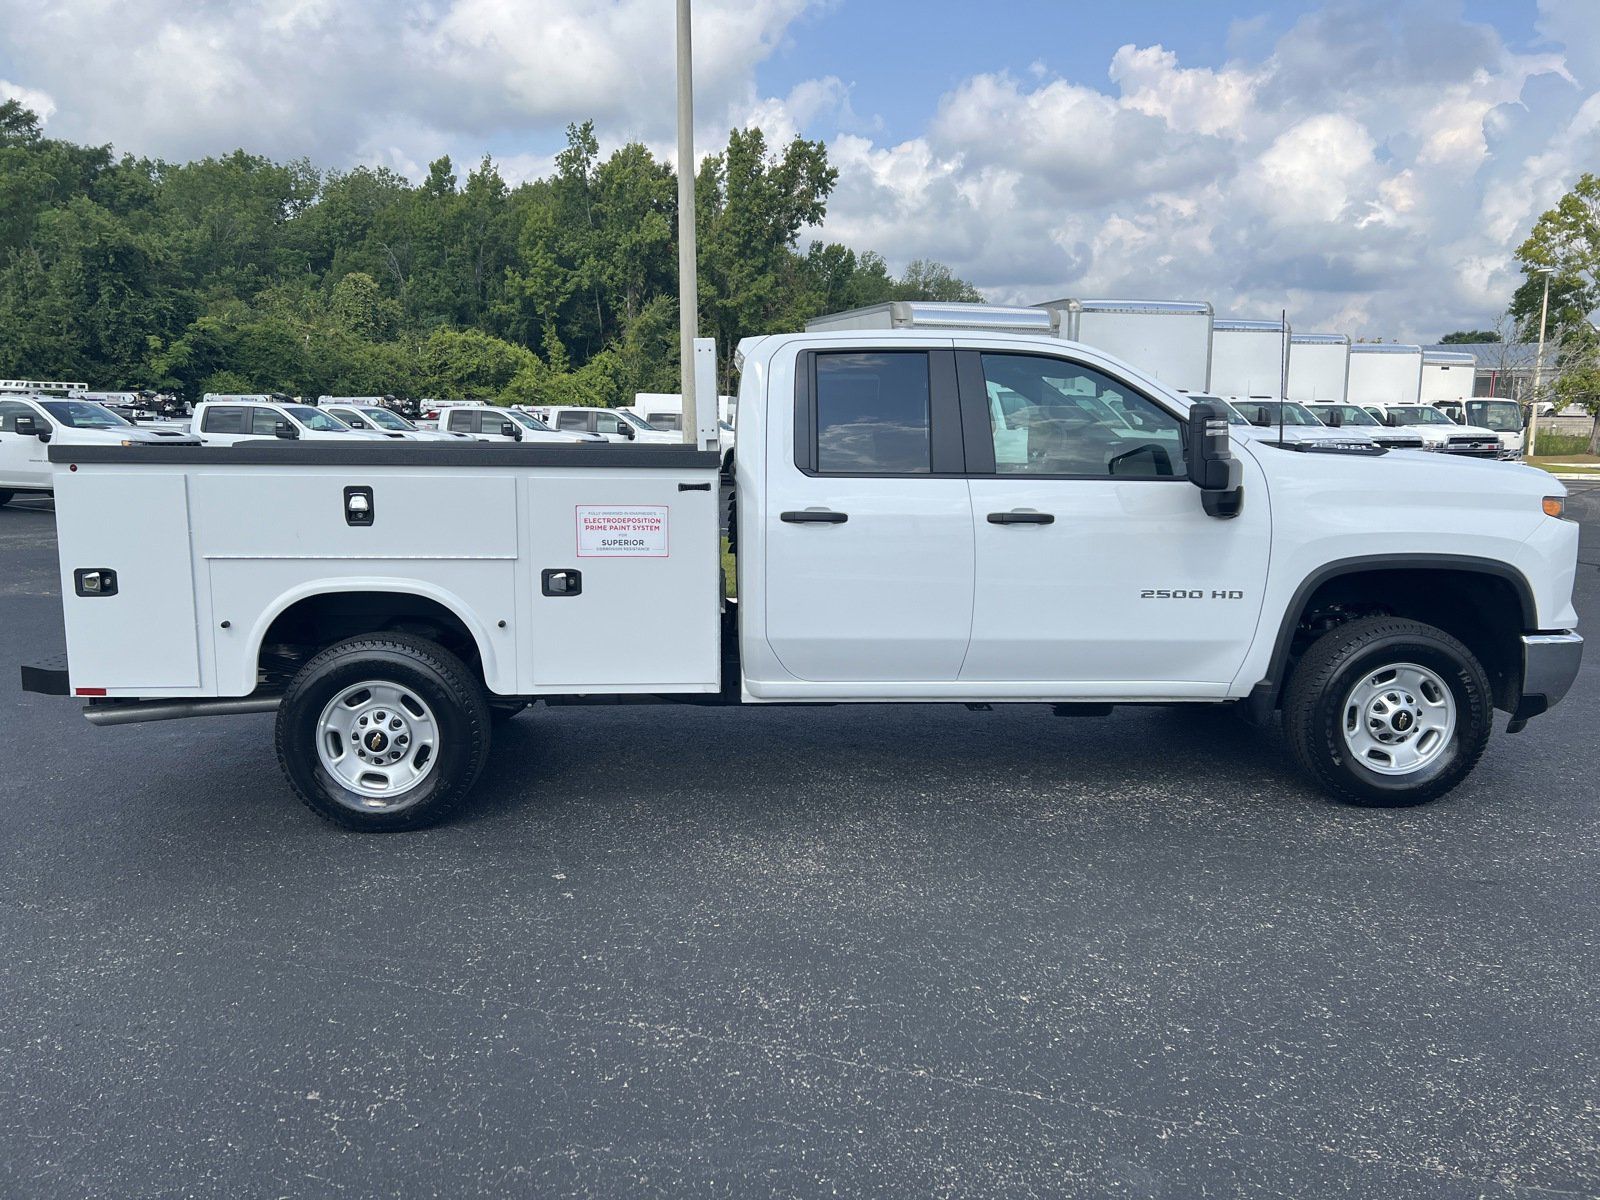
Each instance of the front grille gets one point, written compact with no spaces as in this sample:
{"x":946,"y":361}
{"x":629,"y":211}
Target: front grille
{"x":1486,"y":447}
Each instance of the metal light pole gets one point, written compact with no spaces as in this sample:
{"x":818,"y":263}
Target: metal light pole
{"x":688,"y":272}
{"x":1538,"y":362}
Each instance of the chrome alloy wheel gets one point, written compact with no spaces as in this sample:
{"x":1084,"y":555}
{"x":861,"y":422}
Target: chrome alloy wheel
{"x":1398,"y":719}
{"x":379,"y":741}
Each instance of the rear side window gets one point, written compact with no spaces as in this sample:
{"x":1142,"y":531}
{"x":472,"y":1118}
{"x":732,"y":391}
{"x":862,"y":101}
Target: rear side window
{"x":872,"y":413}
{"x":572,"y":420}
{"x":461,"y":422}
{"x":224,"y":420}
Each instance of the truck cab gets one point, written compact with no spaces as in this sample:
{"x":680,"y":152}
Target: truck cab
{"x":226,"y":420}
{"x":31,"y":423}
{"x":1266,"y":419}
{"x":610,"y":424}
{"x":1439,"y":433}
{"x":1354,"y":417}
{"x":384,"y":420}
{"x":1505,"y":418}
{"x":491,"y":423}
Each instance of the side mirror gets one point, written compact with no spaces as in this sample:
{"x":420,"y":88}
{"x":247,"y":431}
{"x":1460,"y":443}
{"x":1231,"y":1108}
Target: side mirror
{"x":1336,"y":418}
{"x":27,"y":427}
{"x":1262,"y":419}
{"x":511,"y":430}
{"x":626,"y":430}
{"x":1212,"y":466}
{"x":284,"y":429}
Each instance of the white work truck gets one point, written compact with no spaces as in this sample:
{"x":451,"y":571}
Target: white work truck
{"x":1091,"y":540}
{"x":492,"y":423}
{"x":225,"y":420}
{"x":31,"y":422}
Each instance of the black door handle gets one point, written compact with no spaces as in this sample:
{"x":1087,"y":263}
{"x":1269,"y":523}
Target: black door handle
{"x":812,"y":516}
{"x":1021,"y":518}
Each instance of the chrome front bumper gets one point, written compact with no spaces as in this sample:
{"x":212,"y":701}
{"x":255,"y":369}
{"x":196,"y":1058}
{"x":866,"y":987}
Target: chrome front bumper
{"x":1549,"y":665}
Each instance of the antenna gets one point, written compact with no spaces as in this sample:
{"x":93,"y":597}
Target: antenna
{"x":1283,"y":369}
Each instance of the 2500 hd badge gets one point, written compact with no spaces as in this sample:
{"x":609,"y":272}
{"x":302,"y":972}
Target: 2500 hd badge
{"x":1190,"y":594}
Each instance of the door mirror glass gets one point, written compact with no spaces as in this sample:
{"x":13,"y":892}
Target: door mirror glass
{"x":27,"y":427}
{"x":1212,"y":466}
{"x":510,"y":430}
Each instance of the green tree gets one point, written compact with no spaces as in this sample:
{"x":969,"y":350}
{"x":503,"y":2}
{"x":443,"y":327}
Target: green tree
{"x":1469,"y":337}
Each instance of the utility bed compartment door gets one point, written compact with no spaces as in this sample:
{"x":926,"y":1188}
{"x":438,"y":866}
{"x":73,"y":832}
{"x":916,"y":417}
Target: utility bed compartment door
{"x":135,"y":523}
{"x":639,"y":608}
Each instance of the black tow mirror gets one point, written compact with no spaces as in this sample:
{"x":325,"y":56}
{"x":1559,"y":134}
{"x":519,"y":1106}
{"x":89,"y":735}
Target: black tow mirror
{"x":284,"y":429}
{"x":626,"y":430}
{"x":1336,"y":418}
{"x":29,"y":427}
{"x":509,"y":429}
{"x":1262,"y":419}
{"x":1212,"y":467}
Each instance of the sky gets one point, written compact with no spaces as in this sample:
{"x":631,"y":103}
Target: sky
{"x":1368,"y":165}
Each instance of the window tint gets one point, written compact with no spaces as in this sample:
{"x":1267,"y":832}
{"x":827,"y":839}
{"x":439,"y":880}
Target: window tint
{"x":461,"y":422}
{"x":572,"y":420}
{"x":264,"y":422}
{"x":1049,"y":416}
{"x":872,"y":413}
{"x":10,"y":410}
{"x":224,"y":420}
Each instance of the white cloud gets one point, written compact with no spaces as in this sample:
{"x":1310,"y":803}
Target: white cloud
{"x":40,"y":102}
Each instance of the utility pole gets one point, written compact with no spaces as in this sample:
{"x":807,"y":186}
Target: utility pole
{"x":1538,"y":362}
{"x":688,"y":269}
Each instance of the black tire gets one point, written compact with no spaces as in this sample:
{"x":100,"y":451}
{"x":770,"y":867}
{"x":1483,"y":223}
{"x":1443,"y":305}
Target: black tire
{"x":459,"y":706}
{"x":5,"y":498}
{"x":1314,"y":716}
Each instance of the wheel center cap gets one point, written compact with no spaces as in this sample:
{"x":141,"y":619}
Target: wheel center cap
{"x":1402,"y":721}
{"x":376,"y":741}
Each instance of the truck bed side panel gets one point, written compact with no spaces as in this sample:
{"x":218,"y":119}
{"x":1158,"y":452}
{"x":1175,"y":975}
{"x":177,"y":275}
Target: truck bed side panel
{"x":135,"y":523}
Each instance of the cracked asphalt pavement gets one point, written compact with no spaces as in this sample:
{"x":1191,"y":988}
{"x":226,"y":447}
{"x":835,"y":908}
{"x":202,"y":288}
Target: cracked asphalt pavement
{"x":850,"y":951}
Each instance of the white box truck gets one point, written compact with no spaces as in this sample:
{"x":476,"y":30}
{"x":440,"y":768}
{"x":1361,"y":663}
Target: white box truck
{"x":1247,"y":359}
{"x":1385,"y":373}
{"x":1169,"y":340}
{"x":1447,"y":376}
{"x":1319,"y":367}
{"x":1100,"y":542}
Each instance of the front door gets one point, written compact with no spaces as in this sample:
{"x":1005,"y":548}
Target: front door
{"x":1097,"y":568}
{"x":869,"y":543}
{"x":24,"y":459}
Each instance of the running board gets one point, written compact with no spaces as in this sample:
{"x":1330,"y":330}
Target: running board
{"x":132,"y":712}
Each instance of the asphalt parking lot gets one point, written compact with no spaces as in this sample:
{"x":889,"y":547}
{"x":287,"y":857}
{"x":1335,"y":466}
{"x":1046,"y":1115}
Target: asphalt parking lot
{"x":852,"y":951}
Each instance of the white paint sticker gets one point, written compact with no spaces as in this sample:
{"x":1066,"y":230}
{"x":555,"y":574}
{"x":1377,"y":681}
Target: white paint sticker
{"x":632,"y":531}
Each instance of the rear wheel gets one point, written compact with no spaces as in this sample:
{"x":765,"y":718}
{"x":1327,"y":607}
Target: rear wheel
{"x":383,"y":732}
{"x":1385,"y":712}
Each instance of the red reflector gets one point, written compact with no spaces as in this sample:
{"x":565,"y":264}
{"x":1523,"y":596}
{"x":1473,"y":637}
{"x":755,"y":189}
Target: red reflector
{"x":91,"y":691}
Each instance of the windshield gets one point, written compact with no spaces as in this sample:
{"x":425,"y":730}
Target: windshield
{"x":1502,"y":416}
{"x":1265,"y":412}
{"x":315,"y":419}
{"x":77,"y":414}
{"x":1348,"y":413}
{"x":1418,"y":414}
{"x":636,"y":422}
{"x":384,"y":419}
{"x":528,"y":422}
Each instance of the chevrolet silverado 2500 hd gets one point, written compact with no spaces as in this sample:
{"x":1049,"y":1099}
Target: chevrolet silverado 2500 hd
{"x":921,"y":517}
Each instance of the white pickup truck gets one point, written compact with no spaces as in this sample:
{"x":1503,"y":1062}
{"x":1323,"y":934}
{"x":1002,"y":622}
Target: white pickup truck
{"x":30,"y":424}
{"x":895,"y":540}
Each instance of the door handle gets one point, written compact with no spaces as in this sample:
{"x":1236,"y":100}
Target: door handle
{"x":1022,"y":518}
{"x":814,"y":516}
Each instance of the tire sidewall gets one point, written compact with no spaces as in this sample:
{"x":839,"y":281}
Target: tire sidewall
{"x":458,"y":760}
{"x":1474,"y":709}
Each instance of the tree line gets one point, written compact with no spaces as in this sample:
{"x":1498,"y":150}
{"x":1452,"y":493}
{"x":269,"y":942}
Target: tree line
{"x":240,"y":274}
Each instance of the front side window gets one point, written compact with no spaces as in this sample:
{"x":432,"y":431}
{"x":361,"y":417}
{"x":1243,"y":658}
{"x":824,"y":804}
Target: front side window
{"x":872,"y":413}
{"x":317,"y":420}
{"x":80,"y":414}
{"x":1049,"y":416}
{"x":264,"y":422}
{"x":384,"y":419}
{"x":607,"y":423}
{"x":225,"y":420}
{"x":529,"y":422}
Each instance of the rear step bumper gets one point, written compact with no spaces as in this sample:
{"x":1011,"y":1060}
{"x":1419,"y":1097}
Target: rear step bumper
{"x":47,"y":678}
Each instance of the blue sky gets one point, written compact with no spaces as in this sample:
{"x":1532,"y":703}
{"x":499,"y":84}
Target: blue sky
{"x":1369,"y":164}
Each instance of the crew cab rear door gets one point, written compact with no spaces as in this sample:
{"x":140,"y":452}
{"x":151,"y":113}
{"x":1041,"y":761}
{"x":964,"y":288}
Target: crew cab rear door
{"x":1098,"y":572}
{"x":868,"y":523}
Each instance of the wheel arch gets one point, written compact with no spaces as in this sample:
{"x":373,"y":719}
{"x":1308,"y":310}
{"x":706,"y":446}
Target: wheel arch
{"x":391,"y":600}
{"x":1490,"y":583}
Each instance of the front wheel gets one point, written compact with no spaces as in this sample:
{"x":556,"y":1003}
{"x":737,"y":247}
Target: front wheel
{"x":1387,"y":712}
{"x":383,"y":732}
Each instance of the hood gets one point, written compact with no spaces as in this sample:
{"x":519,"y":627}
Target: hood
{"x":131,"y":435}
{"x":1303,"y":433}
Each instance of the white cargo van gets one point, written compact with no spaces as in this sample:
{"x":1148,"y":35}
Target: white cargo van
{"x":896,"y":541}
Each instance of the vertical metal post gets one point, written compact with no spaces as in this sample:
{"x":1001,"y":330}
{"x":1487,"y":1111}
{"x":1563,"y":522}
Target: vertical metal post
{"x":1538,"y":367}
{"x":688,"y":271}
